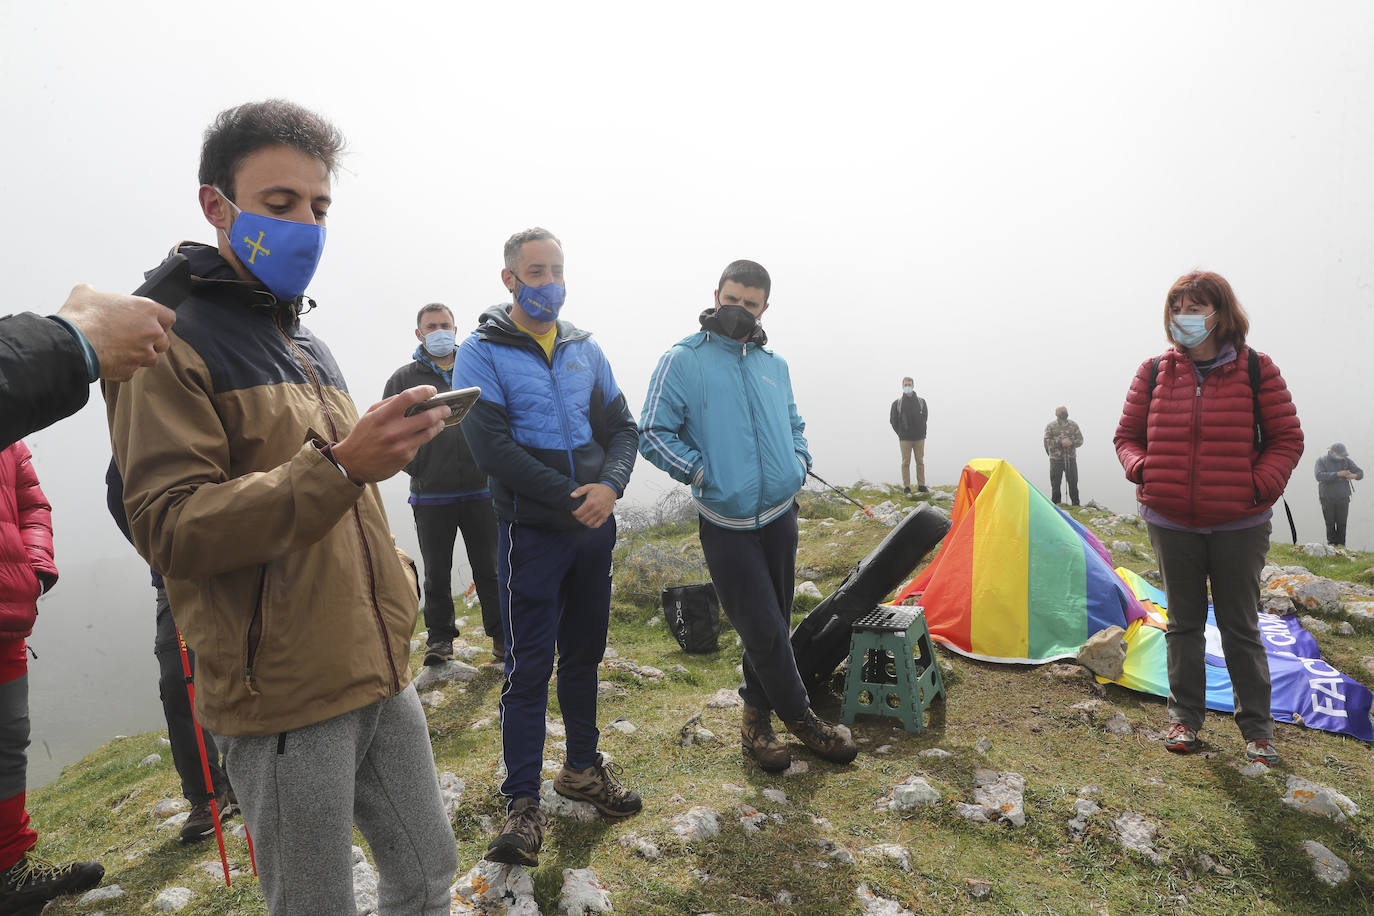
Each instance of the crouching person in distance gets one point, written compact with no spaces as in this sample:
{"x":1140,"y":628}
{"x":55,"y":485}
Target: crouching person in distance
{"x":745,"y":460}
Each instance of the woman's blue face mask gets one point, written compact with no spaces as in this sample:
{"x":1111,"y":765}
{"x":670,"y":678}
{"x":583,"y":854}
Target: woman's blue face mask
{"x":1189,"y":330}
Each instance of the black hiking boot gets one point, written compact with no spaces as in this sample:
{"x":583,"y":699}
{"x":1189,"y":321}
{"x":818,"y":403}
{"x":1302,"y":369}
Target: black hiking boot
{"x":826,"y":741}
{"x":438,"y":652}
{"x":597,"y":785}
{"x":32,"y":881}
{"x":758,"y":740}
{"x":519,"y":840}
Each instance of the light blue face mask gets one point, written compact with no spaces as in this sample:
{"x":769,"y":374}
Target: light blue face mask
{"x":541,"y":303}
{"x":281,"y":253}
{"x":907,"y":389}
{"x":1189,"y":330}
{"x":440,"y":343}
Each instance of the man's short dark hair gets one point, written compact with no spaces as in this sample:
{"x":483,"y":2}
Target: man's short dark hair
{"x":747,"y":273}
{"x":514,"y":243}
{"x":239,"y":132}
{"x":432,"y":307}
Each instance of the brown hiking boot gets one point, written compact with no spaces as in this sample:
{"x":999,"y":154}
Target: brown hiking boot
{"x":598,"y":786}
{"x":519,"y":840}
{"x":826,"y":741}
{"x":757,"y":738}
{"x":33,"y":881}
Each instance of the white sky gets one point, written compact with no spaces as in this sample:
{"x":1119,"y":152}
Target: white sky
{"x":990,"y":197}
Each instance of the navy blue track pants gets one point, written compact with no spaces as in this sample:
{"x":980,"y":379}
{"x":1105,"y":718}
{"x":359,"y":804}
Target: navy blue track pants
{"x":555,"y":596}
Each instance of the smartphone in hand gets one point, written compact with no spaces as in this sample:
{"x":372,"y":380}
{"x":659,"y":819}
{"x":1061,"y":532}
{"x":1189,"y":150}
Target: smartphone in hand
{"x":459,"y":401}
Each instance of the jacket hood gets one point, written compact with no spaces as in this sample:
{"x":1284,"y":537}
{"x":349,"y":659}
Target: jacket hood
{"x":210,"y":271}
{"x":709,"y":323}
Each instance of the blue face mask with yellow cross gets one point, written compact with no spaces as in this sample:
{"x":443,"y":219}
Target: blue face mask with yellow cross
{"x":281,"y":253}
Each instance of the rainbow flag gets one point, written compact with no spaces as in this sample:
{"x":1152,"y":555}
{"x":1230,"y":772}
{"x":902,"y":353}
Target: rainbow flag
{"x":1017,"y":579}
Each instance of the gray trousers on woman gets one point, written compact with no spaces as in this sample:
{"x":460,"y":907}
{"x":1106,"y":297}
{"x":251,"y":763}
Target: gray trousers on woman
{"x":302,"y":791}
{"x":1232,"y":561}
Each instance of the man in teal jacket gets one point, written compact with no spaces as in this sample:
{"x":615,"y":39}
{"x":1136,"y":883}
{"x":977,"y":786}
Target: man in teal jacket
{"x":745,"y":460}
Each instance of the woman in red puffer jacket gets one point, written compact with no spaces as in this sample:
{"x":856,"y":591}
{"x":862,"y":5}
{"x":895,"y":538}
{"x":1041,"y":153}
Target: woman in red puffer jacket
{"x":26,"y":571}
{"x":1205,"y":485}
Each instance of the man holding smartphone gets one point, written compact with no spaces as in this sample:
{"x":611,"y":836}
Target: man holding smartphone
{"x":553,"y":431}
{"x":448,"y":494}
{"x":249,"y":481}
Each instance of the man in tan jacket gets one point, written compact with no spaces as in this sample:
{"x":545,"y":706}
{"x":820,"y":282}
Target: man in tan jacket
{"x":249,"y":482}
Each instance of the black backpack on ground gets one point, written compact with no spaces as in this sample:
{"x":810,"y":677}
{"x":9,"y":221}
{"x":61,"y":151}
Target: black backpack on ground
{"x":693,"y":616}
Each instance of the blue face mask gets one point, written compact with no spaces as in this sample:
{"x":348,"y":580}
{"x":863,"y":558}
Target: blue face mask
{"x":1189,"y":330}
{"x":440,"y":343}
{"x":907,"y":389}
{"x":281,"y":253}
{"x":541,"y":303}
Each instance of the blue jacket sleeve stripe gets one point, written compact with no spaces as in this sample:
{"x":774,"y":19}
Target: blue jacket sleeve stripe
{"x":653,"y":439}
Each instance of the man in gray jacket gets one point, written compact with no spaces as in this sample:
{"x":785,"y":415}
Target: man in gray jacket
{"x":1335,"y":471}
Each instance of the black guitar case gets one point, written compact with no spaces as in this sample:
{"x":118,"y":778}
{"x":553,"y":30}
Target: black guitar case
{"x":821,"y":641}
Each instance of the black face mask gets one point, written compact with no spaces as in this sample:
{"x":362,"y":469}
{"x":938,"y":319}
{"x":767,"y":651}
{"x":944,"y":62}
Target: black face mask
{"x":736,"y":321}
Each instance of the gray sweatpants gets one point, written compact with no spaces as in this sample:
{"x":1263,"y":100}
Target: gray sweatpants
{"x":302,"y":791}
{"x":1231,"y":561}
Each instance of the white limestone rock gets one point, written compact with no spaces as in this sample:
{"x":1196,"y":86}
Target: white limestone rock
{"x":451,"y":789}
{"x":936,"y":752}
{"x":433,"y":699}
{"x":725,"y":698}
{"x":1313,"y":625}
{"x":1329,"y":868}
{"x":914,"y":793}
{"x":1104,"y":654}
{"x":494,"y":889}
{"x":1311,"y":593}
{"x":1000,"y":795}
{"x":365,"y":888}
{"x":1320,"y":800}
{"x":1316,"y":550}
{"x":1119,"y":547}
{"x":164,"y":741}
{"x":697,"y":824}
{"x":169,"y":806}
{"x":808,"y":589}
{"x":641,"y":845}
{"x":556,"y":805}
{"x":975,"y":813}
{"x":1118,"y":724}
{"x":99,"y":894}
{"x":606,"y":689}
{"x":775,"y":795}
{"x":584,"y":893}
{"x":751,"y":819}
{"x":873,"y":905}
{"x":624,"y":726}
{"x":899,"y":855}
{"x":151,"y":760}
{"x":431,"y":675}
{"x":796,"y":768}
{"x":1137,"y":833}
{"x":171,"y":899}
{"x":1083,"y":808}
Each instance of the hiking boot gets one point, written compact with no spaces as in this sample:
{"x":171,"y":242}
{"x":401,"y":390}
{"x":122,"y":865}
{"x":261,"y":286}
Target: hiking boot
{"x":923,"y":489}
{"x":199,"y":824}
{"x":906,"y":490}
{"x":438,"y":652}
{"x":826,"y":741}
{"x":758,"y":740}
{"x":33,"y":880}
{"x":1262,"y":751}
{"x":598,"y":786}
{"x":519,"y":840}
{"x":1180,"y":739}
{"x":498,"y":648}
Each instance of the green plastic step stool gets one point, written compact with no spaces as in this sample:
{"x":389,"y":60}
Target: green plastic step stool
{"x":892,"y":667}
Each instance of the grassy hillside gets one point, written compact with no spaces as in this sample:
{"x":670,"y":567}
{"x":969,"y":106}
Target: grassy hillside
{"x":1227,"y":844}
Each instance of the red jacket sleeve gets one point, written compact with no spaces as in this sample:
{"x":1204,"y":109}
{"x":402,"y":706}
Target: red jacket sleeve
{"x":1130,"y":431}
{"x":35,"y":517}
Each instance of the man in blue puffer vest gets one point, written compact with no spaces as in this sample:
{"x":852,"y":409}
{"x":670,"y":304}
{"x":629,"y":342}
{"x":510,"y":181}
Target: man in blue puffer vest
{"x":554,"y":433}
{"x":745,"y":459}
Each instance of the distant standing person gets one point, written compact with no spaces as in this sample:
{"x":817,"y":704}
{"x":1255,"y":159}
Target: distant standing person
{"x":909,"y":414}
{"x":1335,"y":471}
{"x":745,"y":459}
{"x":448,"y":494}
{"x":1063,"y":439}
{"x":1206,"y":488}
